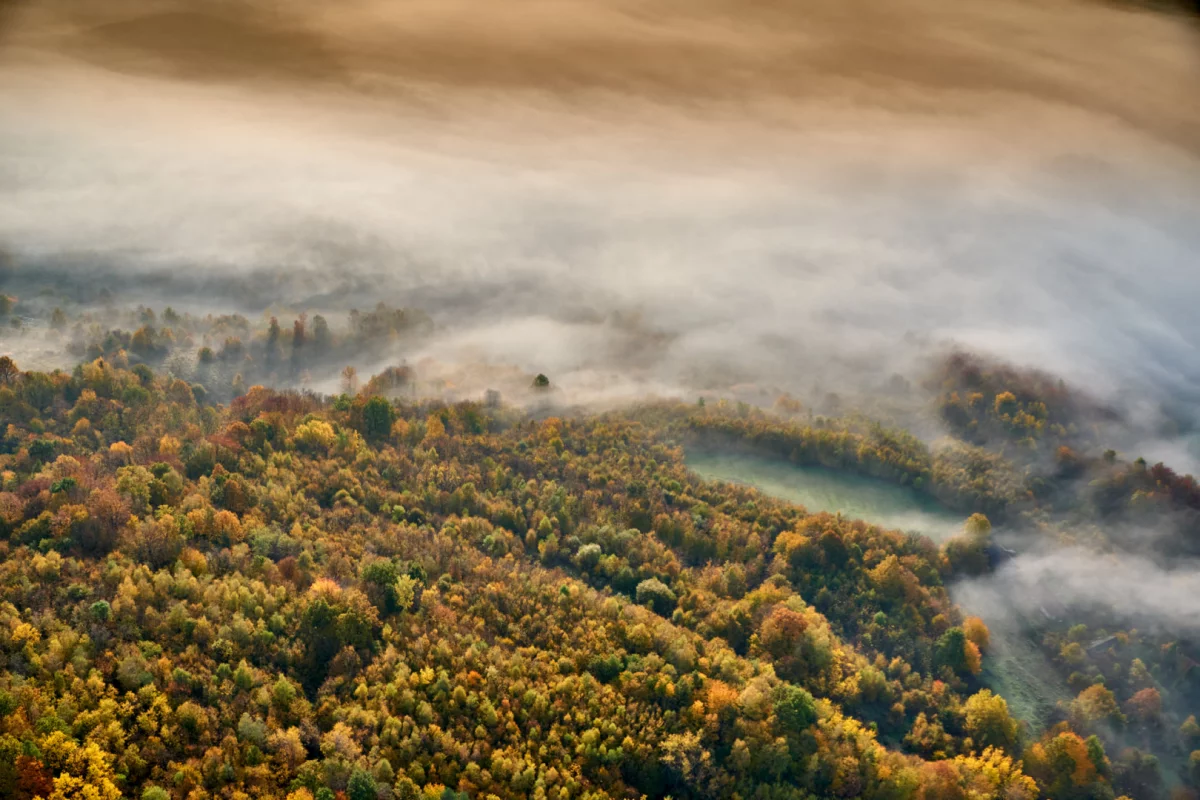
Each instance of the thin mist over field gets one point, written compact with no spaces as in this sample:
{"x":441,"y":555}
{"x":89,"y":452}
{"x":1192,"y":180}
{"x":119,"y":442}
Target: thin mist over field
{"x":632,"y":198}
{"x":1125,"y":588}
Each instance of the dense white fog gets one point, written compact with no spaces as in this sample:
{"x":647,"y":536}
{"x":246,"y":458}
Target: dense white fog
{"x":669,"y":200}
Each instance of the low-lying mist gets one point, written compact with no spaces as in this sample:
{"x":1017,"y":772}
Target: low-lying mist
{"x":1122,"y":588}
{"x":665,"y":199}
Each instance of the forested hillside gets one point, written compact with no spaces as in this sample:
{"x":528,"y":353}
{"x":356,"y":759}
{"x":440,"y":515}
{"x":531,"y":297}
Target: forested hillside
{"x":298,"y":596}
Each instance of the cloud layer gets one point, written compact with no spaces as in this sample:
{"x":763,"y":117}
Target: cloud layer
{"x":665,"y":199}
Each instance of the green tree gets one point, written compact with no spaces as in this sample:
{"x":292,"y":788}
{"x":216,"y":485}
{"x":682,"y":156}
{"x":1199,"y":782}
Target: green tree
{"x":362,"y":785}
{"x":100,"y":610}
{"x":657,"y":595}
{"x":329,"y":624}
{"x":378,"y":416}
{"x":795,"y":709}
{"x":950,"y":651}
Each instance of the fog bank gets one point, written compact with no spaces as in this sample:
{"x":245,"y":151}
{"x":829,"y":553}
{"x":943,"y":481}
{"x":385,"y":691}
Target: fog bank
{"x":666,"y":198}
{"x":1126,"y":589}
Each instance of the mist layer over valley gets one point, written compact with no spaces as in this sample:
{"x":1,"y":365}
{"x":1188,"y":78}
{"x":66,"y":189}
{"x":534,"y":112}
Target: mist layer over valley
{"x":664,"y":199}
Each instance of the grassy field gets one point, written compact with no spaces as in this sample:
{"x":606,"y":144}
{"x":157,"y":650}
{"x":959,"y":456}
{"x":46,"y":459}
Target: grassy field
{"x":1014,"y":667}
{"x":824,"y":490}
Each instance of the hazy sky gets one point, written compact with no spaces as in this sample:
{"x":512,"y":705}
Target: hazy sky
{"x":789,"y":194}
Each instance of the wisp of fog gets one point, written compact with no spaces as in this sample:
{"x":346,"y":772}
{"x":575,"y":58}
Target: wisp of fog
{"x":1128,"y":588}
